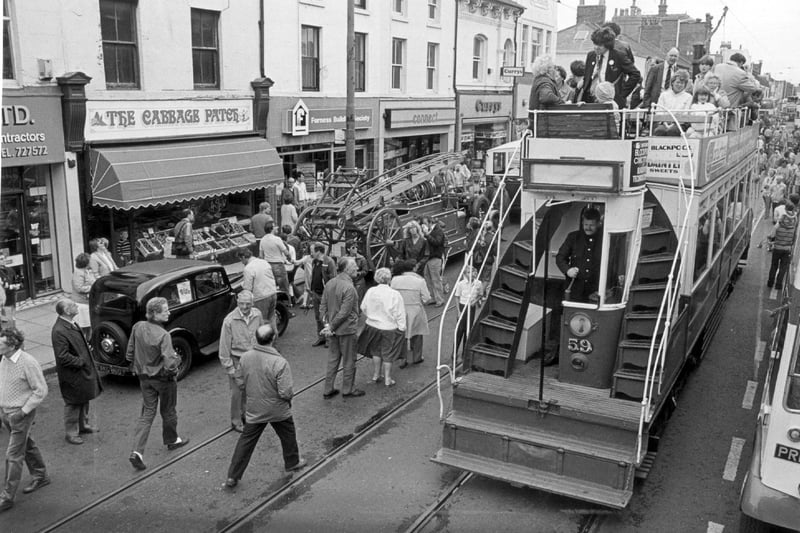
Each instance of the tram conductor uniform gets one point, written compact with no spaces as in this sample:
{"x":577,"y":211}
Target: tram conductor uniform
{"x":579,"y":257}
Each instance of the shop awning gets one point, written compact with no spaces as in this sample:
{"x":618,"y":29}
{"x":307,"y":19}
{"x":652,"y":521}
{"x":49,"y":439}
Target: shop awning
{"x":129,"y":177}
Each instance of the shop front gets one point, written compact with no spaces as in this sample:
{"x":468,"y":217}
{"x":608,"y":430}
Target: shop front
{"x":147,"y":161}
{"x":309,"y":136}
{"x":34,"y":244}
{"x":415,"y":129}
{"x":485,"y":120}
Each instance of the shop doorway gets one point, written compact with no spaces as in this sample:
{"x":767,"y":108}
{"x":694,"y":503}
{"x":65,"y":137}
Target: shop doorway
{"x":25,"y":224}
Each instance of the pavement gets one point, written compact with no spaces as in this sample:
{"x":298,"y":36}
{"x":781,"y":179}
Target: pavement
{"x":35,"y":318}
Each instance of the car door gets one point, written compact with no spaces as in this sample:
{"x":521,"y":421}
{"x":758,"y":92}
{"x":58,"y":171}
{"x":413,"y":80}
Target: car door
{"x":213,"y":301}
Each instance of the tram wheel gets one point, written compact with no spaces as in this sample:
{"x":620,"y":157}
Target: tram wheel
{"x":384,"y":226}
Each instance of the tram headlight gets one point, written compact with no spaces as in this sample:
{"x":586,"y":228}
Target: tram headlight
{"x":794,"y":434}
{"x":580,"y":324}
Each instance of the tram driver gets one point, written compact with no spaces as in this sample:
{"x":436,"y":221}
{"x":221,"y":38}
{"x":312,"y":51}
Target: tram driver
{"x":579,"y":258}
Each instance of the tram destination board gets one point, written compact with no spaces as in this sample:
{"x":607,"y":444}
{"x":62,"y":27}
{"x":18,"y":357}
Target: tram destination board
{"x":787,"y":453}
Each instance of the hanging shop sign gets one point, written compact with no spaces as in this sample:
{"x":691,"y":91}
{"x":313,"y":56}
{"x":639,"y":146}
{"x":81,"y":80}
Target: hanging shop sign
{"x":32,"y":132}
{"x":302,"y":120}
{"x":415,"y":118}
{"x":135,"y":119}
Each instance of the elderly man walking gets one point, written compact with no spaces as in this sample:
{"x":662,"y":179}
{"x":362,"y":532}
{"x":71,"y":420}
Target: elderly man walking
{"x":155,"y":362}
{"x":266,"y":379}
{"x":77,"y":376}
{"x":237,"y":337}
{"x":260,"y":280}
{"x":22,"y":389}
{"x":339,"y":311}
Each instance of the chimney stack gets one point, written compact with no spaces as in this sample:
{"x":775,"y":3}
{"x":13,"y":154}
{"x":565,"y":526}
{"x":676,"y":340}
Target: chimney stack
{"x":592,"y":14}
{"x":662,"y":8}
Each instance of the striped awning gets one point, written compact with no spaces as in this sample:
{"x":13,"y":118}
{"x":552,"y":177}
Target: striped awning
{"x":144,"y":175}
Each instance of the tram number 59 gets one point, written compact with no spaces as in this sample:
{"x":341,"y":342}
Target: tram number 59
{"x":579,"y":345}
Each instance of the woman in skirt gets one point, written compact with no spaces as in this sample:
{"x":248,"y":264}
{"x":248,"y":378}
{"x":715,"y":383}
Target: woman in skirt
{"x":383,"y":337}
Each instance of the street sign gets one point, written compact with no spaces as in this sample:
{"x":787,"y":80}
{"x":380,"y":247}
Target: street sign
{"x":512,"y":72}
{"x":300,"y":118}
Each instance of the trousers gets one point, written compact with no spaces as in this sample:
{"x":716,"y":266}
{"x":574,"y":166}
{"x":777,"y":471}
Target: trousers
{"x":413,"y":352}
{"x":342,"y":348}
{"x":76,"y":418}
{"x":433,"y":275}
{"x":249,"y":438}
{"x":21,"y":448}
{"x":778,"y":267}
{"x":154,"y":392}
{"x":237,"y":397}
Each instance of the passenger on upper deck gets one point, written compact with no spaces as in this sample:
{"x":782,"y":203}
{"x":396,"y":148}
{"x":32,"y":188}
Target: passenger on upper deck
{"x":607,"y":63}
{"x":718,"y":96}
{"x":544,"y":92}
{"x":705,"y":65}
{"x":577,"y":68}
{"x":660,"y":77}
{"x":676,"y":99}
{"x":736,"y":82}
{"x":605,"y":95}
{"x":579,"y":257}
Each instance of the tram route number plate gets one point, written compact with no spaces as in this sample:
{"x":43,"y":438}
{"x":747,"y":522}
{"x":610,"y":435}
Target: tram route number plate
{"x":787,"y":453}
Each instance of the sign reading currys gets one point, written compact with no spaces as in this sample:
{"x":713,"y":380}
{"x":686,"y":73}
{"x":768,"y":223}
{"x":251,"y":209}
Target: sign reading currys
{"x":31,"y":133}
{"x":136,"y":119}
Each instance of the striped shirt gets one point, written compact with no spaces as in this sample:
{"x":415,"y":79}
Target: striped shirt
{"x":22,"y":383}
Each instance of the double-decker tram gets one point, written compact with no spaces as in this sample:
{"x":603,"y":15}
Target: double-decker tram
{"x":653,"y":229}
{"x":770,"y":493}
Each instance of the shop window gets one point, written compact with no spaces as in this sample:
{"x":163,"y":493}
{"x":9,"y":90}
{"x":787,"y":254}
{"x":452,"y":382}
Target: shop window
{"x":399,"y":7}
{"x":433,"y":60}
{"x":8,"y":50}
{"x":209,"y":283}
{"x":536,"y":43}
{"x":120,"y":47}
{"x":205,"y":49}
{"x":309,"y":50}
{"x":523,"y":60}
{"x":398,"y":64}
{"x":478,"y":57}
{"x":433,"y":10}
{"x":360,"y":53}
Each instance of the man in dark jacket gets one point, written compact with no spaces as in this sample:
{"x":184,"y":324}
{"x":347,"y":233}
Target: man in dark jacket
{"x":579,"y":257}
{"x":183,"y":245}
{"x":437,"y":246}
{"x":77,"y":375}
{"x":609,"y":63}
{"x":322,"y":270}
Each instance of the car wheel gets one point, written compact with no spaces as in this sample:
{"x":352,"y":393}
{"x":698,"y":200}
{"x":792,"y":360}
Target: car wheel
{"x":281,"y":317}
{"x":184,"y":350}
{"x":110,"y":344}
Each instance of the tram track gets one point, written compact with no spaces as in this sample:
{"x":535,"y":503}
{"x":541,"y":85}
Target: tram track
{"x":344,"y":444}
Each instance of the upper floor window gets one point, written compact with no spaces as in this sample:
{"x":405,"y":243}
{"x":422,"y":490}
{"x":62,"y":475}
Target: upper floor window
{"x":205,"y":49}
{"x":120,"y":48}
{"x":536,"y":43}
{"x":309,"y":51}
{"x":360,"y":53}
{"x":433,"y":10}
{"x":508,"y":53}
{"x":478,"y":57}
{"x":398,"y":63}
{"x":523,"y":60}
{"x":433,"y":60}
{"x":399,"y":7}
{"x":8,"y":51}
{"x":548,"y":43}
{"x":360,"y":4}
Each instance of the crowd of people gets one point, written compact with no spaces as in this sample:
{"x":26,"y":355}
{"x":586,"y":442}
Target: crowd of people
{"x":609,"y":75}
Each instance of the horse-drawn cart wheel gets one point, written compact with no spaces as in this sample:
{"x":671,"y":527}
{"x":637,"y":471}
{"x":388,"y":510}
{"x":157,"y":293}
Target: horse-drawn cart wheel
{"x":384,"y":226}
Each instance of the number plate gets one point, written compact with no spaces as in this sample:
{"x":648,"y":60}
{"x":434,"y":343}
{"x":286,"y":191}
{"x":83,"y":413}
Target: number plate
{"x":112,"y":369}
{"x":787,"y":453}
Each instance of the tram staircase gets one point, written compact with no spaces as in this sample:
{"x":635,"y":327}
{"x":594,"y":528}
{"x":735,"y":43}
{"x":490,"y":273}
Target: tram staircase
{"x":355,"y":195}
{"x":641,"y":322}
{"x":579,"y":441}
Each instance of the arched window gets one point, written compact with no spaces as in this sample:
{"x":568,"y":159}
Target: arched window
{"x":478,"y":57}
{"x":508,"y":53}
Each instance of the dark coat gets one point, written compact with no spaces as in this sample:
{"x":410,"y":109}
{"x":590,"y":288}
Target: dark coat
{"x":620,"y":71}
{"x":77,"y":375}
{"x":584,"y":252}
{"x":544,"y":93}
{"x":655,"y":84}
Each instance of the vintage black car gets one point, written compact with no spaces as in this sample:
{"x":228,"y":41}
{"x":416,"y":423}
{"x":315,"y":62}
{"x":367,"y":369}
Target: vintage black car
{"x":199,"y":293}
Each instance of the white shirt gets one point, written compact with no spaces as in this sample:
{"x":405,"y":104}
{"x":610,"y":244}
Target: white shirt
{"x":468,"y":292}
{"x":259,"y":279}
{"x":384,"y":308}
{"x":300,"y":193}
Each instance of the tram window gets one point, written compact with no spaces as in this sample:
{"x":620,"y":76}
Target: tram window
{"x":793,"y":393}
{"x":703,"y":239}
{"x":731,"y":218}
{"x":617,"y":266}
{"x":719,"y":227}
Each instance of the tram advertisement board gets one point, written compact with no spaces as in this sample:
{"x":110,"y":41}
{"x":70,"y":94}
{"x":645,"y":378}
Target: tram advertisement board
{"x":639,"y":151}
{"x":668,"y":159}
